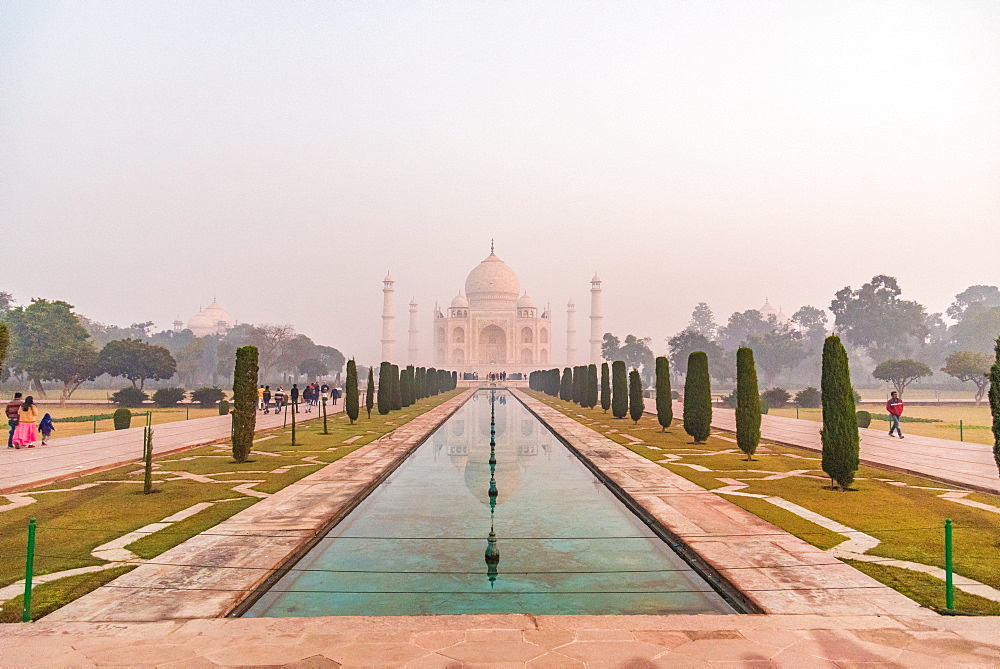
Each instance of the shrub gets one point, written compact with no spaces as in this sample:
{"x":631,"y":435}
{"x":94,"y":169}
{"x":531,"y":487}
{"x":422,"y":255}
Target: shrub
{"x":208,"y":397}
{"x":224,"y":408}
{"x":864,"y":418}
{"x":775,"y":397}
{"x":664,"y":403}
{"x":619,"y":389}
{"x":698,"y":398}
{"x":674,"y":395}
{"x":123,"y":419}
{"x":840,"y":422}
{"x":748,"y":403}
{"x":729,"y":401}
{"x":810,"y":398}
{"x":129,"y":397}
{"x":245,"y":374}
{"x":168,"y":397}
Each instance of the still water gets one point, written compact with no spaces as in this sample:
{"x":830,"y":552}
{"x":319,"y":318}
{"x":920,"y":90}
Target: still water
{"x":421,"y":543}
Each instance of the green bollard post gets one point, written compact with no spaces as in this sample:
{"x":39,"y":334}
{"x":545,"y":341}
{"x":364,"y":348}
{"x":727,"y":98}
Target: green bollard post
{"x":187,"y":412}
{"x":95,"y":426}
{"x":325,"y":431}
{"x":796,"y":412}
{"x":284,"y":423}
{"x":961,"y":431}
{"x":949,"y":586}
{"x":29,"y":567}
{"x":293,"y":422}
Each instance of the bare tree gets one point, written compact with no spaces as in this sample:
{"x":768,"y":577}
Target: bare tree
{"x":270,"y":341}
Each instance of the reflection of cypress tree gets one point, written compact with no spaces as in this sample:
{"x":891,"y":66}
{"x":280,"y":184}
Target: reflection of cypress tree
{"x":840,"y":419}
{"x":664,"y":397}
{"x":351,"y":391}
{"x":747,"y":403}
{"x":635,"y":404}
{"x":698,"y":398}
{"x":605,"y":387}
{"x":385,"y":388}
{"x":619,"y":389}
{"x":995,"y":404}
{"x":566,"y":389}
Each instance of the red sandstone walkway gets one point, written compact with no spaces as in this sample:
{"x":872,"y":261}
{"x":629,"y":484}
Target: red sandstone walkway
{"x":961,"y":463}
{"x":73,"y":456}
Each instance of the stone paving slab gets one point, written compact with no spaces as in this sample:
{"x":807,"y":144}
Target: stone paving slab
{"x":959,"y":463}
{"x":236,"y":556}
{"x":777,"y":571}
{"x":510,"y":640}
{"x":69,"y":457}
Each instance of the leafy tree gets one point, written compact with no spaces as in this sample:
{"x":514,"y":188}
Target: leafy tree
{"x":874,"y":318}
{"x":809,"y":398}
{"x":4,"y":344}
{"x":812,"y":321}
{"x":664,"y":400}
{"x":703,"y":321}
{"x":385,"y":388}
{"x":635,"y":352}
{"x":48,"y":343}
{"x":351,"y":392}
{"x":775,"y":398}
{"x":698,"y":398}
{"x":984,"y":296}
{"x":370,"y":392}
{"x":978,"y":328}
{"x":245,"y":374}
{"x":970,"y":366}
{"x":636,"y":407}
{"x":901,"y":373}
{"x":313,"y":368}
{"x":168,"y":397}
{"x":6,"y":302}
{"x":619,"y":389}
{"x":777,"y":350}
{"x":209,"y":397}
{"x":840,"y":420}
{"x":995,"y":403}
{"x":332,"y":358}
{"x":742,"y":326}
{"x":610,"y":346}
{"x":683,"y":344}
{"x":605,"y":387}
{"x":747,"y":403}
{"x":270,"y":341}
{"x":129,"y":397}
{"x":136,"y":361}
{"x":566,"y":389}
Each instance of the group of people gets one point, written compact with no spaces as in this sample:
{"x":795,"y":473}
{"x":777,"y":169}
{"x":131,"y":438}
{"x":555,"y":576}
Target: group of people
{"x":310,"y":396}
{"x":22,"y":417}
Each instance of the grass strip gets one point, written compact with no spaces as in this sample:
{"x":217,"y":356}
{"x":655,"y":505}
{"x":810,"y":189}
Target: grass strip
{"x":48,"y":597}
{"x":925,"y":589}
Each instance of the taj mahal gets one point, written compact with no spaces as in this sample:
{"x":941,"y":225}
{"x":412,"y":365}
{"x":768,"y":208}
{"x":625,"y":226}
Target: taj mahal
{"x":492,"y":326}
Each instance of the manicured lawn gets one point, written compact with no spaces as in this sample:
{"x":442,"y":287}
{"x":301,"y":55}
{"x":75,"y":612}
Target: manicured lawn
{"x":977,"y":421}
{"x":78,"y":515}
{"x":906,"y":513}
{"x":107,"y":424}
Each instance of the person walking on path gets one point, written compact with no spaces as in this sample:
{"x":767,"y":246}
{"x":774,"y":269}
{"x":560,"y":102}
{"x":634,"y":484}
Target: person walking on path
{"x":11,"y":412}
{"x":26,"y":433}
{"x":307,"y":397}
{"x":260,"y":399}
{"x":895,"y":408}
{"x":46,"y":427}
{"x":267,"y":399}
{"x":335,"y":395}
{"x":295,"y":397}
{"x":279,"y":399}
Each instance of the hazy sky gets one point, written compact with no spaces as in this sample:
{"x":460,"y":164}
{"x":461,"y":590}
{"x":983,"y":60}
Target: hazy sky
{"x":283,"y":156}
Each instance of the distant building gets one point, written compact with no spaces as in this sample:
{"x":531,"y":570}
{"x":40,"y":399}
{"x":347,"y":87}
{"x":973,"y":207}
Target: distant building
{"x":212,"y":320}
{"x":767,"y":311}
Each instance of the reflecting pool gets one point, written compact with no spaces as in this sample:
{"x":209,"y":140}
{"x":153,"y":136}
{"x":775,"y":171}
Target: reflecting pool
{"x":460,"y":527}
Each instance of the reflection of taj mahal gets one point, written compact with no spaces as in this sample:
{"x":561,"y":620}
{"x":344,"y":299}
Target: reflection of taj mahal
{"x":493,"y":326}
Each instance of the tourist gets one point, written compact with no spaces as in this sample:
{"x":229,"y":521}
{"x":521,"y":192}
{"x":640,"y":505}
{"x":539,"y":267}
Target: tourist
{"x":260,"y":398}
{"x":335,"y":395}
{"x":295,"y":397}
{"x":12,"y":410}
{"x":279,"y":399}
{"x":307,"y":397}
{"x":46,"y":428}
{"x":895,"y":408}
{"x":26,"y":433}
{"x":266,"y":397}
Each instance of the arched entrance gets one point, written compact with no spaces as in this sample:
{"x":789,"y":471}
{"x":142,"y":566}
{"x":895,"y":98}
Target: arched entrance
{"x":492,"y":346}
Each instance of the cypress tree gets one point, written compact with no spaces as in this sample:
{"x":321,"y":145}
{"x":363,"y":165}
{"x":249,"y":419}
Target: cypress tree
{"x":566,"y":389}
{"x":578,"y":384}
{"x":995,"y":404}
{"x":454,"y":380}
{"x":636,"y":406}
{"x":592,"y":389}
{"x":397,"y":391}
{"x":244,"y":402}
{"x":664,"y":401}
{"x":418,"y":383}
{"x":698,"y":398}
{"x":430,"y":382}
{"x":404,"y":386}
{"x":351,"y":391}
{"x":385,"y":388}
{"x":605,"y":387}
{"x":4,"y":343}
{"x":619,"y":389}
{"x":370,"y":392}
{"x":747,"y":403}
{"x":840,"y":421}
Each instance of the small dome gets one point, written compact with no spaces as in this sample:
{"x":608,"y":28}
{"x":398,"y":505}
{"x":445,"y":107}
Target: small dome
{"x":767,"y":309}
{"x":459,"y":302}
{"x":492,"y":284}
{"x":596,"y":278}
{"x":388,"y":277}
{"x":525,"y":302}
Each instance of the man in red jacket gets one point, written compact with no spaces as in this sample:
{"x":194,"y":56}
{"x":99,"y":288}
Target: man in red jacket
{"x":895,"y":408}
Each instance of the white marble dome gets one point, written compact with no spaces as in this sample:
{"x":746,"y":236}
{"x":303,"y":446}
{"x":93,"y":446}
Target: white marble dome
{"x":213,"y":319}
{"x":459,"y":302}
{"x":525,"y":302}
{"x":492,"y":285}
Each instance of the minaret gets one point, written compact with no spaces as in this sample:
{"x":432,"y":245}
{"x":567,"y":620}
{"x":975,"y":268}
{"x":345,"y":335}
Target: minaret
{"x":388,"y":321}
{"x":570,"y":333}
{"x":596,"y":319}
{"x":413,"y":348}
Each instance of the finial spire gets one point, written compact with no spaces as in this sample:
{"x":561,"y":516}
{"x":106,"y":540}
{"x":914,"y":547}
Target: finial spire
{"x":491,"y":245}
